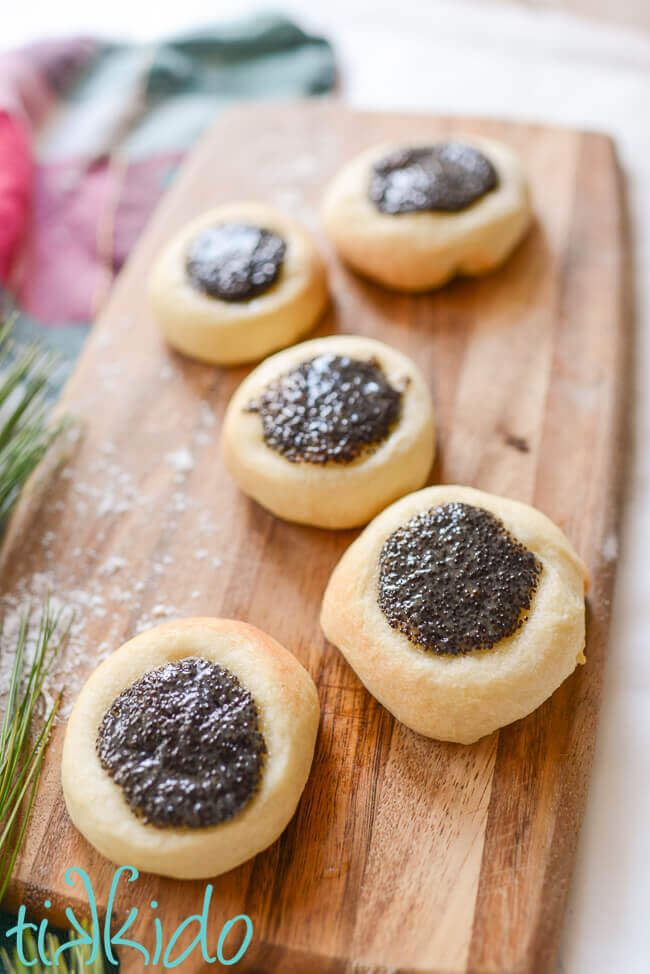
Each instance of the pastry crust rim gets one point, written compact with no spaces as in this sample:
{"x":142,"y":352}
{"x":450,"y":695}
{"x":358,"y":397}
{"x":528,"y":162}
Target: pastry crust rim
{"x":420,"y":251}
{"x":235,"y":332}
{"x":332,"y":495}
{"x":289,"y":710}
{"x":460,"y":698}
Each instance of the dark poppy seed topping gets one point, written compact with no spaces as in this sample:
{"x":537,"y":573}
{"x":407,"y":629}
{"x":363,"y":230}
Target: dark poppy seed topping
{"x":454,"y":580}
{"x":329,"y":409}
{"x":234,"y":261}
{"x":184,"y":745}
{"x":447,"y":176}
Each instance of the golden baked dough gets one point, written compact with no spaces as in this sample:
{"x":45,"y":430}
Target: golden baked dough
{"x":418,"y":251}
{"x":332,"y":495}
{"x":460,"y":698}
{"x":231,"y":332}
{"x":288,"y":707}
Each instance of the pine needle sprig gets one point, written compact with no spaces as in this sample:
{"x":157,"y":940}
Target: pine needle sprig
{"x":20,"y":757}
{"x":25,"y":433}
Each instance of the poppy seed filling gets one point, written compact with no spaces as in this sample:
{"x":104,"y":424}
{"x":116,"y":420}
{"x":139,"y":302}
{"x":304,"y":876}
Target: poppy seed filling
{"x":184,"y":745}
{"x":454,"y":580}
{"x":235,"y":261}
{"x":448,"y":176}
{"x":330,"y":408}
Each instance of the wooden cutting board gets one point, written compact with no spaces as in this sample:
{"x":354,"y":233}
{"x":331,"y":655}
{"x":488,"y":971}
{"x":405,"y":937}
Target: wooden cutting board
{"x":405,"y":854}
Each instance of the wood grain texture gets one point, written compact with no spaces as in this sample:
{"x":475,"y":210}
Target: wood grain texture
{"x":405,"y":854}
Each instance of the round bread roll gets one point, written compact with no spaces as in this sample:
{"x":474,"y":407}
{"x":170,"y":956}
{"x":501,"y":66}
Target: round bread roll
{"x":238,"y":283}
{"x":188,"y":748}
{"x":424,"y":236}
{"x":330,"y":431}
{"x":460,"y":611}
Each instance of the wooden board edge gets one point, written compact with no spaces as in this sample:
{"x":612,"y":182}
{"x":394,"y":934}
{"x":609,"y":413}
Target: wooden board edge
{"x":541,"y":953}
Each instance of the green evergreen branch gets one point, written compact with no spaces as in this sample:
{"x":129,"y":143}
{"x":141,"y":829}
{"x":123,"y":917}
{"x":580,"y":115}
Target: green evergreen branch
{"x":25,"y":437}
{"x":20,"y":761}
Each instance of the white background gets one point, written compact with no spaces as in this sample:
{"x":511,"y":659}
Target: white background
{"x":480,"y":58}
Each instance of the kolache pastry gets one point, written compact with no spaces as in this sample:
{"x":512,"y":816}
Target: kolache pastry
{"x":188,"y":748}
{"x":241,"y":281}
{"x":330,"y":431}
{"x":413,"y":216}
{"x":460,"y":611}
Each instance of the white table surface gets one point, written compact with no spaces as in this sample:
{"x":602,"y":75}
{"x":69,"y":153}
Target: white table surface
{"x":512,"y":62}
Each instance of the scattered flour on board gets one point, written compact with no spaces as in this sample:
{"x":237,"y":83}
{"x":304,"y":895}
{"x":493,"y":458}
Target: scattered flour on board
{"x":181,"y":461}
{"x":112,"y":565}
{"x":111,"y":601}
{"x":610,"y":547}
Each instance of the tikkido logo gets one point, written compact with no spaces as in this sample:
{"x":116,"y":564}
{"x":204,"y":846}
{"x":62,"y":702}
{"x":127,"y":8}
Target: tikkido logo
{"x":99,"y":934}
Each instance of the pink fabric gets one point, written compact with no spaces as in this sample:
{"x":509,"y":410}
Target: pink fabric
{"x":16,"y":176}
{"x":59,"y":276}
{"x":86,"y":218}
{"x":30,"y":81}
